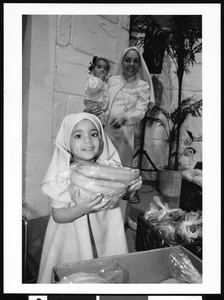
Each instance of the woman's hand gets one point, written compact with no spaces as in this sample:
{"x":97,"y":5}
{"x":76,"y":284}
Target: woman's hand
{"x":119,"y":121}
{"x":94,"y":109}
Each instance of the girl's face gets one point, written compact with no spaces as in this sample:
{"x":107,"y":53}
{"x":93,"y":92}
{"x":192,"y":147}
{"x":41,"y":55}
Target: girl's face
{"x":85,"y":142}
{"x":101,"y":69}
{"x":130,"y":63}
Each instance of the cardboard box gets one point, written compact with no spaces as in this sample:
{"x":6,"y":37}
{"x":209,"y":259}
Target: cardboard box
{"x":142,"y":267}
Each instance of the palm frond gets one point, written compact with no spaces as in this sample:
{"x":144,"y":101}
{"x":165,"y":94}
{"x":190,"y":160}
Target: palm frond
{"x":181,"y":40}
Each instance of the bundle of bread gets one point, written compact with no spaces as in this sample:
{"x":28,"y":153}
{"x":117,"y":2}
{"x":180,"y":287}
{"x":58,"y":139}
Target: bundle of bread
{"x":174,"y":224}
{"x":110,"y":181}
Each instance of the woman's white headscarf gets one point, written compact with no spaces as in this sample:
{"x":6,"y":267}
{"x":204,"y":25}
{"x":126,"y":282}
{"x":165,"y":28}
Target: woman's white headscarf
{"x":143,"y":70}
{"x":61,"y":157}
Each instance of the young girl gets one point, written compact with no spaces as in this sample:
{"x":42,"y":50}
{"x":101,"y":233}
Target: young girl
{"x":96,"y":88}
{"x":75,"y":228}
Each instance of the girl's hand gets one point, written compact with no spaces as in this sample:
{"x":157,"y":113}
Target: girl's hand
{"x":118,"y":122}
{"x":90,"y":204}
{"x":135,"y":184}
{"x":103,"y":76}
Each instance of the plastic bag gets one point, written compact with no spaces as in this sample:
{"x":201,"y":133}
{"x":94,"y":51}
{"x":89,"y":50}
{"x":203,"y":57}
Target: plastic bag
{"x":194,"y":175}
{"x":82,"y":277}
{"x":197,"y":180}
{"x":182,"y":269}
{"x":91,"y":185}
{"x":114,"y":273}
{"x":174,"y":224}
{"x":110,"y":274}
{"x":191,"y":227}
{"x":161,"y":212}
{"x":167,"y":229}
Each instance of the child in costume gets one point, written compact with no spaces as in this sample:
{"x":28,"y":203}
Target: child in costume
{"x":80,"y":230}
{"x":96,"y":88}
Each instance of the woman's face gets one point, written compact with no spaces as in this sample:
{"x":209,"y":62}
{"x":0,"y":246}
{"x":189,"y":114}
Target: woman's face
{"x":131,"y":63}
{"x":85,"y":142}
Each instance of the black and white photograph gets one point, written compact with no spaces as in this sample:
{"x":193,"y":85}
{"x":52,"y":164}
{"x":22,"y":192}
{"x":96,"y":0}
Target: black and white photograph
{"x":112,"y":150}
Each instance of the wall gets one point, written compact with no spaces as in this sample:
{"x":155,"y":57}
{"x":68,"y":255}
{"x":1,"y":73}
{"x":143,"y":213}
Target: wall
{"x":78,"y":39}
{"x":56,"y":55}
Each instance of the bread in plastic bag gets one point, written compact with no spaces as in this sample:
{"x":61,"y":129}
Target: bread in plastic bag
{"x":109,"y":181}
{"x":182,"y":269}
{"x":82,"y":277}
{"x":174,"y":224}
{"x":194,"y":175}
{"x":110,"y":274}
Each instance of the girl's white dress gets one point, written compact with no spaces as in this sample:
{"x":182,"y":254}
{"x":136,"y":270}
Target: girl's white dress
{"x":73,"y":241}
{"x":96,"y":92}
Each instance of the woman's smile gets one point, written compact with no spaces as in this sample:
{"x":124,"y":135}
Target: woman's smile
{"x":131,"y":63}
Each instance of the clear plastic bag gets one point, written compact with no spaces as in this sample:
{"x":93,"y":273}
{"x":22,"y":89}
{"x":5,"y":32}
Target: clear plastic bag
{"x":160,"y":212}
{"x":194,"y":175}
{"x":182,"y":269}
{"x":114,"y":273}
{"x":91,"y":185}
{"x":83,"y":277}
{"x":174,"y":224}
{"x":190,"y":229}
{"x":110,"y":274}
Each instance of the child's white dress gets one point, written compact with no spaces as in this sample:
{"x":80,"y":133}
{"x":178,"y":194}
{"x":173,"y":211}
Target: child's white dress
{"x":72,"y":241}
{"x":96,"y":93}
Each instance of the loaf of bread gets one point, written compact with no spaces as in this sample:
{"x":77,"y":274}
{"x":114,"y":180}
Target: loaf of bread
{"x":82,"y":277}
{"x":111,"y":182}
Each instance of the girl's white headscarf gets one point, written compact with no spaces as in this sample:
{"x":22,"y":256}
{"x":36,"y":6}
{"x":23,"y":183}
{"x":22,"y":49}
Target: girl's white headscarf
{"x":61,"y":157}
{"x":143,"y":70}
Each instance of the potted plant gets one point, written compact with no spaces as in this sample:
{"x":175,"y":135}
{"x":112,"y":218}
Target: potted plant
{"x":180,"y":40}
{"x":170,"y":178}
